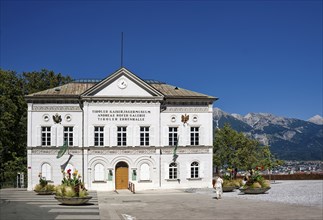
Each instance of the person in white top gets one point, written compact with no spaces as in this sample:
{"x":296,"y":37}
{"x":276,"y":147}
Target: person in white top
{"x":218,"y":187}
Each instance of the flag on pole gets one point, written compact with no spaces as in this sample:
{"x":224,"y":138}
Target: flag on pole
{"x":175,"y":149}
{"x":62,"y":150}
{"x":63,"y":166}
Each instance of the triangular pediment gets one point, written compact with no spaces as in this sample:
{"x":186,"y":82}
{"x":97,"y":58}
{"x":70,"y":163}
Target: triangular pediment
{"x":123,"y":84}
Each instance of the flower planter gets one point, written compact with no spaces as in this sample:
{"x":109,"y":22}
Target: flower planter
{"x":39,"y":192}
{"x":73,"y":200}
{"x":228,"y":188}
{"x":254,"y":190}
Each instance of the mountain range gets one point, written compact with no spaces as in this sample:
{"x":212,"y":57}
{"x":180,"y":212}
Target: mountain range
{"x":288,"y":138}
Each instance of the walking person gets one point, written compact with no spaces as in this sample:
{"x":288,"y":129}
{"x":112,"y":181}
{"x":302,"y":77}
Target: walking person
{"x":218,"y":187}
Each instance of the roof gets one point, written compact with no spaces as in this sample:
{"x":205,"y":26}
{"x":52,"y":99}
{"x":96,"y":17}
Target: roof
{"x":173,"y":92}
{"x":77,"y":88}
{"x":70,"y":89}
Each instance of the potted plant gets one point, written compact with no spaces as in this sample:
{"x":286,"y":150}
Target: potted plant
{"x":256,"y":184}
{"x":230,"y":184}
{"x":72,"y":190}
{"x":43,"y":188}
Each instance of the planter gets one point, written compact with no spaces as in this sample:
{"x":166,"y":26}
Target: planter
{"x":254,"y":190}
{"x":73,"y":200}
{"x":228,"y":188}
{"x":39,"y":192}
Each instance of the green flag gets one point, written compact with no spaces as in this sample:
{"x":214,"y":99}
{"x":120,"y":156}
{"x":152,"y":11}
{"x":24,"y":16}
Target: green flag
{"x":62,"y":150}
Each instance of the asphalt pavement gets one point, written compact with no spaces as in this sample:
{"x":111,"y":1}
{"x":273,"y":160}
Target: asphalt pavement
{"x":180,"y":205}
{"x":177,"y":204}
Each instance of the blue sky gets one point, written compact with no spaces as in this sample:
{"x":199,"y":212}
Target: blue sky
{"x":256,"y":56}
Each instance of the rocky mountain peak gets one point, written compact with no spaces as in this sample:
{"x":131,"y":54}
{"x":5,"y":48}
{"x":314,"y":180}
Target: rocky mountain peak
{"x":289,"y":138}
{"x":317,"y":119}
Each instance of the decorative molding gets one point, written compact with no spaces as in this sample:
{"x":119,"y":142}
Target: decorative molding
{"x":187,"y":109}
{"x":51,"y":151}
{"x":119,"y":102}
{"x":125,"y":151}
{"x":56,"y":108}
{"x":192,"y":179}
{"x":122,"y":151}
{"x":186,"y":150}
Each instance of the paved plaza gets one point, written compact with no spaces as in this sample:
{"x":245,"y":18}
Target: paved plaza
{"x":190,"y":204}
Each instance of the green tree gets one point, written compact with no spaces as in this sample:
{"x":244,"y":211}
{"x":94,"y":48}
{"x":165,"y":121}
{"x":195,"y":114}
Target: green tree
{"x":12,"y":125}
{"x":45,"y":79}
{"x":13,"y":116}
{"x":234,"y":150}
{"x":268,"y":161}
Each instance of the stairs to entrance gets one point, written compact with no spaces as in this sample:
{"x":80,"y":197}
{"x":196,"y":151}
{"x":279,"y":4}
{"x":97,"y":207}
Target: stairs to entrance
{"x":123,"y":192}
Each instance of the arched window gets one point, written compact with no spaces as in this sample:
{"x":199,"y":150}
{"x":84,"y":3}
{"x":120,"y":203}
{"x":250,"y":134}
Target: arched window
{"x":98,"y":172}
{"x":46,"y":171}
{"x":195,"y":170}
{"x":144,"y":172}
{"x":172,"y":171}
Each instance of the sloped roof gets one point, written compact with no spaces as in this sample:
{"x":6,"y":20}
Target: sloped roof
{"x":70,"y":89}
{"x":173,"y":92}
{"x":77,"y":88}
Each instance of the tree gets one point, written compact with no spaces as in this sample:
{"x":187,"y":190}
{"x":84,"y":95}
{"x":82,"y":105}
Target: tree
{"x":13,"y":116}
{"x":45,"y":79}
{"x":12,"y":125}
{"x":233,"y":150}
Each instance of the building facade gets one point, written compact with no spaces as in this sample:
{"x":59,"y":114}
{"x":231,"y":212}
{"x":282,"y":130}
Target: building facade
{"x":122,"y":129}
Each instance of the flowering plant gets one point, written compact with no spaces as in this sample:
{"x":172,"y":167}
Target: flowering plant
{"x":71,"y":186}
{"x":43,"y":185}
{"x":256,"y":181}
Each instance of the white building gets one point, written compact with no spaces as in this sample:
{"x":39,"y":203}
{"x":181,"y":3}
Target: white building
{"x":119,"y":130}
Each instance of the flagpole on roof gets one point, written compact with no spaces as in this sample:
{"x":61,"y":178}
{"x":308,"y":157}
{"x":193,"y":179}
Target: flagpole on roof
{"x":121,"y":49}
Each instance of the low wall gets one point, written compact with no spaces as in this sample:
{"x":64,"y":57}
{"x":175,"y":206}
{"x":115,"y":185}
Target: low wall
{"x":295,"y":176}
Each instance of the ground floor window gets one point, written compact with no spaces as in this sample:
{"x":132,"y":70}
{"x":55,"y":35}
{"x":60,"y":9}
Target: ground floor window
{"x":172,"y":171}
{"x":98,"y":172}
{"x":46,"y":171}
{"x":144,"y":172}
{"x":195,"y":170}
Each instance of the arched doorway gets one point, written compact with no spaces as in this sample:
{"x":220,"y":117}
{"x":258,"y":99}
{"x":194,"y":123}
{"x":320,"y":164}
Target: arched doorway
{"x":122,"y":175}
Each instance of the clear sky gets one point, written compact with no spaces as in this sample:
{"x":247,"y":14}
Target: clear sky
{"x":256,"y":56}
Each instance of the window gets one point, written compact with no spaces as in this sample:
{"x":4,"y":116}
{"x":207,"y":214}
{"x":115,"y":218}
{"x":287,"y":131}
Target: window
{"x":45,"y":136}
{"x":173,"y":171}
{"x":98,"y":172}
{"x":144,"y":172}
{"x":194,"y":135}
{"x":46,"y":171}
{"x":68,"y":135}
{"x":98,"y":136}
{"x":144,"y":136}
{"x":122,"y":136}
{"x":172,"y":136}
{"x":195,"y":170}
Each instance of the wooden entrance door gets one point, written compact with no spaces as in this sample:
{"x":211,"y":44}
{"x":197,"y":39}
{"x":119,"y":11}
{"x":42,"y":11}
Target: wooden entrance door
{"x":122,"y":175}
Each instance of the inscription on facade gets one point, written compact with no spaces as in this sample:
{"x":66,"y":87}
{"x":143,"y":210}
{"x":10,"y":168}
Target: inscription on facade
{"x":121,"y":115}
